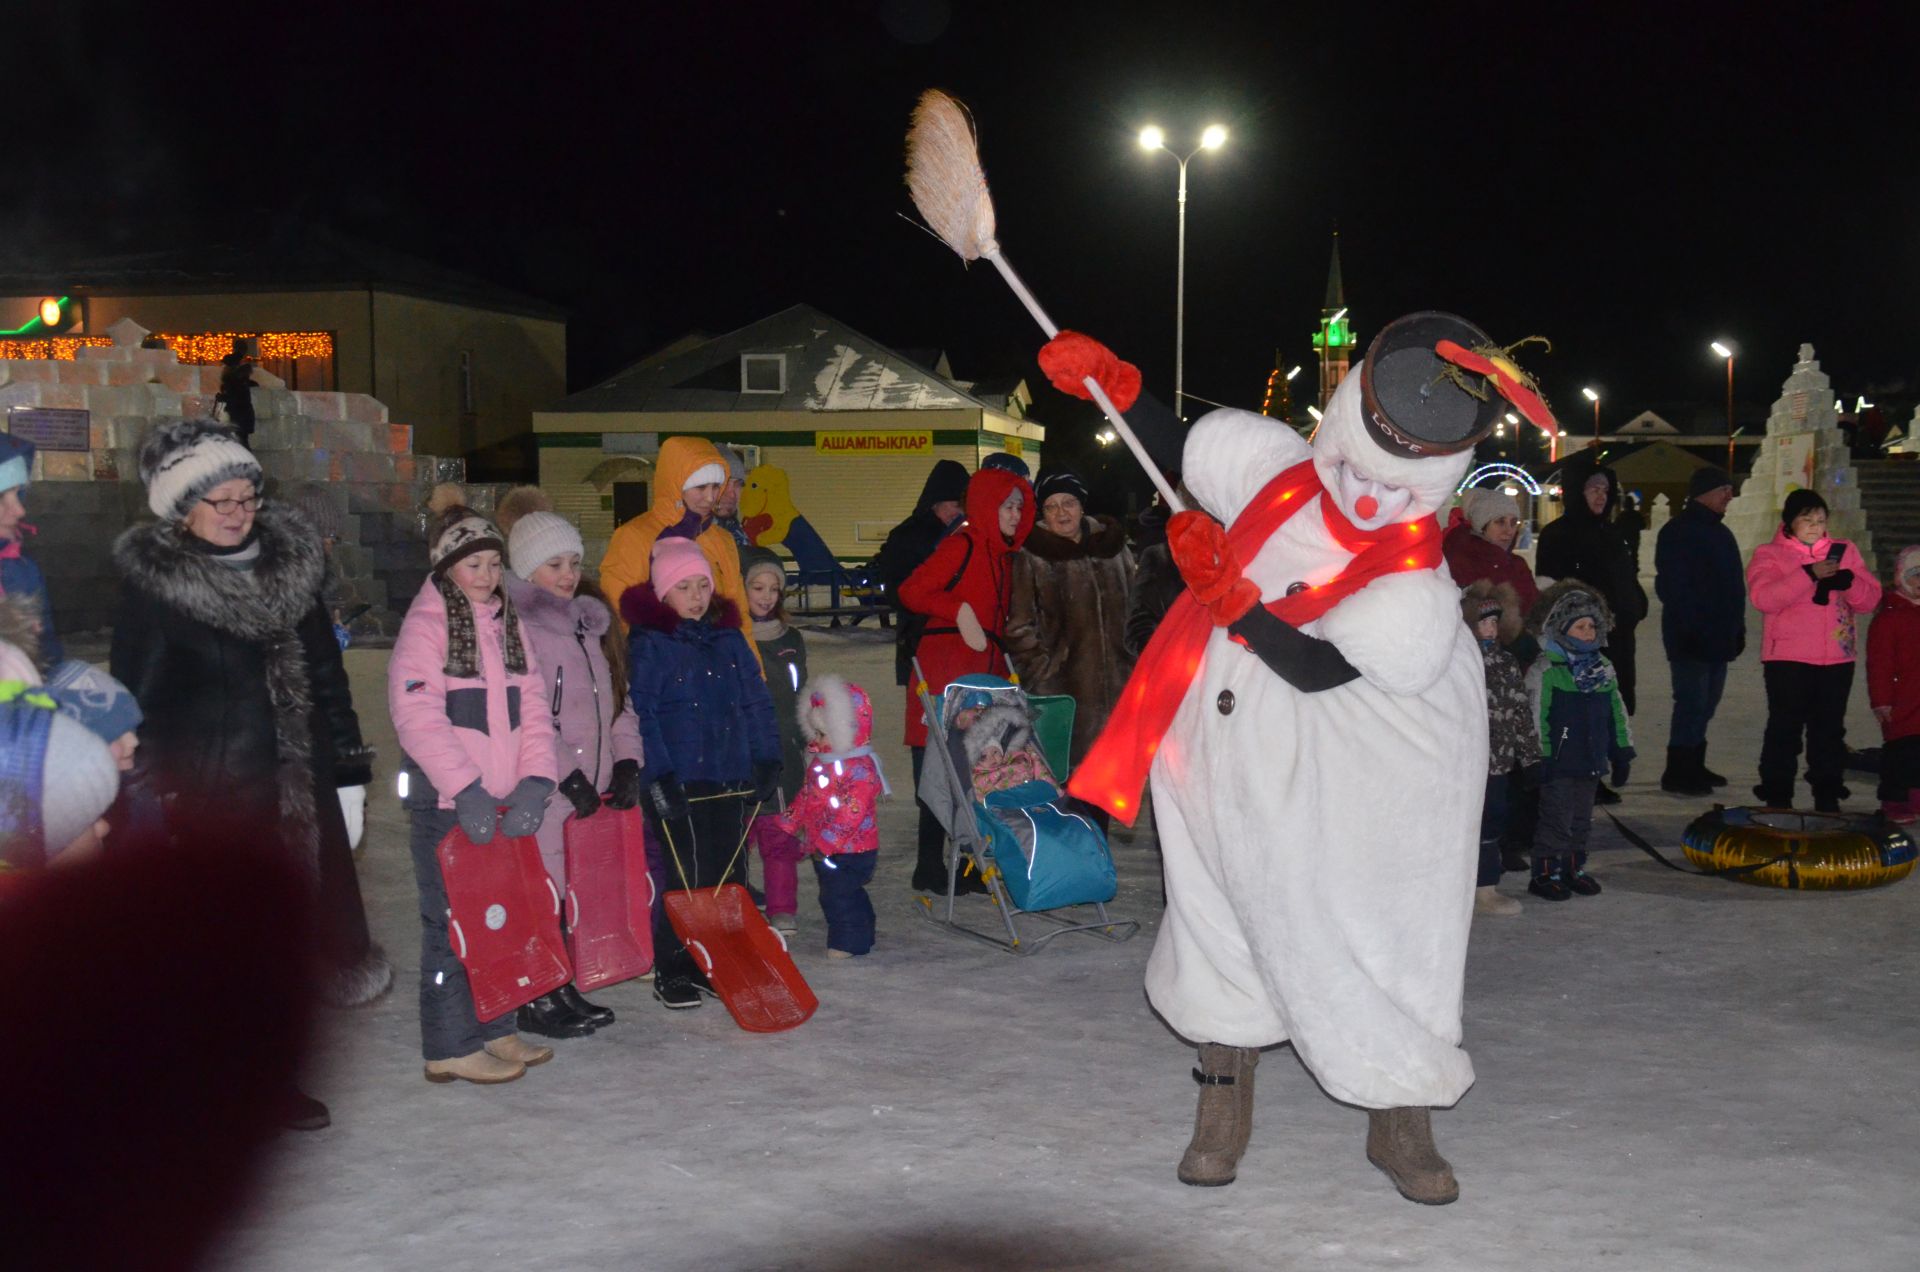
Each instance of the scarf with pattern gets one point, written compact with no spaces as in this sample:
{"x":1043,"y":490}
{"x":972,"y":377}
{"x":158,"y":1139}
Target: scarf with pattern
{"x":463,"y":645}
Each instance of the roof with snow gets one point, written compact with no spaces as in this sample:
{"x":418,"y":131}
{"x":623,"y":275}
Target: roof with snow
{"x":797,"y":360}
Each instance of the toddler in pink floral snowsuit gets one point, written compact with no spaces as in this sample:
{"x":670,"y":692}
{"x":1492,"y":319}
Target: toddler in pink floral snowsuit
{"x":835,"y":813}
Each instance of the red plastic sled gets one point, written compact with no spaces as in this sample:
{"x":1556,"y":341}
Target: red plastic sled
{"x":745,"y":960}
{"x":503,"y":920}
{"x":609,"y":898}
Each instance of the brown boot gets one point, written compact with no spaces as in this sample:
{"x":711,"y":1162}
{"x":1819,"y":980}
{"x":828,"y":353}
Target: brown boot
{"x":482,"y":1067}
{"x":1224,"y":1122}
{"x":516,"y":1050}
{"x":1400,"y":1142}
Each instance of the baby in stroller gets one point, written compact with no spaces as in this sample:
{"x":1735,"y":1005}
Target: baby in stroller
{"x":995,"y":743}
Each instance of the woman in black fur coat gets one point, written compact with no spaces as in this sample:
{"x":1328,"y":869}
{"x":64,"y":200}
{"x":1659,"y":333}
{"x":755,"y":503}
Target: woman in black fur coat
{"x":250,"y":736}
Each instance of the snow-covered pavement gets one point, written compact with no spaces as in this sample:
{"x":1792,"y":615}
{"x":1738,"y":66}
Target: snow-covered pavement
{"x":1682,"y":1073}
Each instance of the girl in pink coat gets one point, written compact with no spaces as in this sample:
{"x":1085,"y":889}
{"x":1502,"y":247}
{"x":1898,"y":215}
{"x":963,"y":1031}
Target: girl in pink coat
{"x":596,"y":739}
{"x":1809,"y":588}
{"x":836,"y":811}
{"x":472,"y":717}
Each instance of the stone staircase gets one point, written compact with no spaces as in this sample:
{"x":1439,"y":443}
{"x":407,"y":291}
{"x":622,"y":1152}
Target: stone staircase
{"x":1890,"y":497}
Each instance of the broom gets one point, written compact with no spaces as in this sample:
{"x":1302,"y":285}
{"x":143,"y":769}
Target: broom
{"x":950,"y":189}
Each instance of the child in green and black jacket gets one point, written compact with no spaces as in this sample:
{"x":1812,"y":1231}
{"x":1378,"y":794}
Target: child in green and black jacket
{"x":1583,"y":733}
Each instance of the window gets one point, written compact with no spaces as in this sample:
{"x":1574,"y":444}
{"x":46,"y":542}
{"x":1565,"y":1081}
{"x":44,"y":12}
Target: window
{"x":763,"y":373}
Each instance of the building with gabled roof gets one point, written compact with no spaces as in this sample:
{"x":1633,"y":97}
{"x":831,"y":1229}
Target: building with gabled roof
{"x":853,"y":425}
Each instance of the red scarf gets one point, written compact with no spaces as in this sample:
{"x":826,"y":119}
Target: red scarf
{"x":1115,"y":770}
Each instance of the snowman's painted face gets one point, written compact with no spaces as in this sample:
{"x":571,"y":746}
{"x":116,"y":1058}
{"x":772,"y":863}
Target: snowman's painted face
{"x":1367,"y":502}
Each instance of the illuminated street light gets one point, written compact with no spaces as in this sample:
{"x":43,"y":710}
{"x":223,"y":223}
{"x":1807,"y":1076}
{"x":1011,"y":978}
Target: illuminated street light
{"x":1292,"y":373}
{"x":1594,"y":398}
{"x":1155,"y":138}
{"x":1721,"y":349}
{"x":1725,"y":350}
{"x":50,"y":312}
{"x":1315,"y":412}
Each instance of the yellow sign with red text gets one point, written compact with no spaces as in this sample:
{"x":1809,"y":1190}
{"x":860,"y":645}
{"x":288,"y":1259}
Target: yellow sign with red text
{"x":908,"y":442}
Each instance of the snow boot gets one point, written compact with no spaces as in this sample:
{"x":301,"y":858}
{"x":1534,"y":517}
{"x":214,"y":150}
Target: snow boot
{"x":1774,"y":795}
{"x":1701,"y":770}
{"x":577,"y":1002}
{"x":516,"y":1050}
{"x":299,"y":1111}
{"x":481,"y":1067}
{"x":550,"y":1017}
{"x":1681,"y":777}
{"x":1488,"y":900}
{"x":1604,"y":794}
{"x":1582,"y":884}
{"x":1549,"y":881}
{"x":1400,"y":1142}
{"x":1224,"y":1121}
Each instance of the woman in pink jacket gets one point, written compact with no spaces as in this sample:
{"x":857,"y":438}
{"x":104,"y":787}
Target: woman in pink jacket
{"x":596,"y":737}
{"x":472,"y":716}
{"x":1809,"y":588}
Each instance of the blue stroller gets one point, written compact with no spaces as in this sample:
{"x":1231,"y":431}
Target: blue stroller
{"x":1037,"y":856}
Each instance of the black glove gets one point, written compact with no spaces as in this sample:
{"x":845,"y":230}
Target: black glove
{"x":1621,"y":770}
{"x":526,"y":807}
{"x":668,"y":799}
{"x":580,"y":793}
{"x":1529,"y":776}
{"x":477,"y":811}
{"x":1308,"y":663}
{"x":766,"y":780}
{"x":626,"y":790}
{"x":1838,"y":581}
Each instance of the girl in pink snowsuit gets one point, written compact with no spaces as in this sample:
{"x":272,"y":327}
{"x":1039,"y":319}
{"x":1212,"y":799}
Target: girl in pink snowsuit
{"x":835,"y":813}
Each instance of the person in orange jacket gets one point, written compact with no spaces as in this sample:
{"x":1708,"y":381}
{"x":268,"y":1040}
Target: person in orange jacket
{"x":687,"y":477}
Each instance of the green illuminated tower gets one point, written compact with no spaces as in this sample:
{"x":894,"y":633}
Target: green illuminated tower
{"x":1334,"y":340}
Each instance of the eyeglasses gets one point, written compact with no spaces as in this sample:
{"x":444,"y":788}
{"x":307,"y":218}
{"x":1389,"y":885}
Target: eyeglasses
{"x":227,"y":507}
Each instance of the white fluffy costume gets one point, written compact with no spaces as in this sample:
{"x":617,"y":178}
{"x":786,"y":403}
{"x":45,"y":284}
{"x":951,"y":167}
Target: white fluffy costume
{"x":1318,"y":799}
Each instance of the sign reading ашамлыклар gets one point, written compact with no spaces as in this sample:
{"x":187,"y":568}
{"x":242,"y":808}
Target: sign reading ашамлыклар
{"x":907,"y":442}
{"x":52,"y":429}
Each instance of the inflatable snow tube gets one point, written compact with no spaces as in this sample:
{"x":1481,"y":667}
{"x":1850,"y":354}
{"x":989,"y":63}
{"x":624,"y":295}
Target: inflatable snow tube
{"x":1800,"y":850}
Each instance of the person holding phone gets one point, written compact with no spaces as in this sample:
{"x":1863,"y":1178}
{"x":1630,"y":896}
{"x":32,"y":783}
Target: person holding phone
{"x":1809,"y":588}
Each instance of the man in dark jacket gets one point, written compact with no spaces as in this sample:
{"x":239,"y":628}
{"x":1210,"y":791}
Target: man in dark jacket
{"x":1584,"y":545}
{"x":941,"y":504}
{"x":1701,"y":583}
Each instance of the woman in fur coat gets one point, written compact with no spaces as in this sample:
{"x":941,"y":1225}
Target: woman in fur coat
{"x":249,"y":735}
{"x":1067,"y":627}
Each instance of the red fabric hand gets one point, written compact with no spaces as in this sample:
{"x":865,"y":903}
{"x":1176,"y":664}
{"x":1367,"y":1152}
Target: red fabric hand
{"x":1070,"y":357}
{"x":1206,"y":561}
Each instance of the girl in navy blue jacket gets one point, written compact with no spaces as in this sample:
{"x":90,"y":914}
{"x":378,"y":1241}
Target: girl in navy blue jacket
{"x":706,"y":728}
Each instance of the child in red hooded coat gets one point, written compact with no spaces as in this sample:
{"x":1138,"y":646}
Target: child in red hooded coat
{"x":835,"y":812}
{"x":1893,"y":687}
{"x":965,"y":589}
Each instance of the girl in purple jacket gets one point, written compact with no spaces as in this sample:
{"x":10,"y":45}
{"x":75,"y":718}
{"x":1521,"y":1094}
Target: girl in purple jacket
{"x":1810,"y":588}
{"x":596,"y":739}
{"x":472,"y":716}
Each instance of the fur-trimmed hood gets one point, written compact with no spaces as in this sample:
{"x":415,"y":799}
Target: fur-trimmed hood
{"x":1477,"y":596}
{"x":642,"y":607}
{"x":1564,"y":603}
{"x":1103,"y":537}
{"x":542,"y":611}
{"x":168,"y":563}
{"x":1002,"y":725}
{"x":846,"y":714}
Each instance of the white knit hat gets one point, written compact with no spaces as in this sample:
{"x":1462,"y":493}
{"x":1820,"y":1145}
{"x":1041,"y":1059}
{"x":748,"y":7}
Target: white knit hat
{"x":706,"y":475}
{"x":180,"y":461}
{"x":537,"y":538}
{"x":1484,"y":504}
{"x":80,"y":781}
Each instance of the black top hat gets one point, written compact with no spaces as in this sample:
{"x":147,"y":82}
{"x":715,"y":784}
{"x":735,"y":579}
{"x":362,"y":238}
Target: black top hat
{"x":1410,"y":398}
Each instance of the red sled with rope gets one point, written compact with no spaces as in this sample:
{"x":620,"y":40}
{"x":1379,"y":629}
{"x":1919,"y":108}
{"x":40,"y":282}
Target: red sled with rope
{"x":503,"y":920}
{"x":744,"y":959}
{"x":609,"y":898}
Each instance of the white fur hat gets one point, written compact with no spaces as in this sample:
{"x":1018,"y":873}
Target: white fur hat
{"x":537,"y":538}
{"x":180,"y":461}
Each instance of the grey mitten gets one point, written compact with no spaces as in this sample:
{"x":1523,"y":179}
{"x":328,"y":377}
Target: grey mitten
{"x":477,"y":811}
{"x":526,"y":807}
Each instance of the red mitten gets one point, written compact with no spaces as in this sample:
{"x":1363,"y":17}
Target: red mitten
{"x":1206,"y":561}
{"x":1070,"y":357}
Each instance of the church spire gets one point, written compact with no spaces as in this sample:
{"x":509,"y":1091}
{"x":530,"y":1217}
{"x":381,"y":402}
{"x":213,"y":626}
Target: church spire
{"x":1336,"y":290}
{"x":1333,"y":342}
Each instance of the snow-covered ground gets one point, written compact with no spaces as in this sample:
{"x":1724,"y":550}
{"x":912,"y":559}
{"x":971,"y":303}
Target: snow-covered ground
{"x":1682,"y":1073}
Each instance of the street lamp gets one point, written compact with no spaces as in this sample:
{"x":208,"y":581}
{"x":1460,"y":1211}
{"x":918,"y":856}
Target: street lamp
{"x":1726,"y":351}
{"x":1594,"y":398}
{"x":1152,"y":138}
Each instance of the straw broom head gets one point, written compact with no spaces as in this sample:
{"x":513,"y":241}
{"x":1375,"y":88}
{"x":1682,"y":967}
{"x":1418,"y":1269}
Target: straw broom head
{"x":944,"y":175}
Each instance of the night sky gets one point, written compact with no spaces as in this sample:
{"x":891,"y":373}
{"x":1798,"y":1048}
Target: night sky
{"x":1631,"y":181}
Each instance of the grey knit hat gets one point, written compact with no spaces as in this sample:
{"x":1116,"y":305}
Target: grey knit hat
{"x":181,"y":460}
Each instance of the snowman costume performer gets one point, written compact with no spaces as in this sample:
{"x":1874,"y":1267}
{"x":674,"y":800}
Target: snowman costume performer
{"x":1317,"y":786}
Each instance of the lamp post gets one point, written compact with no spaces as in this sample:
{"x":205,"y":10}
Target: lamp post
{"x":1594,"y":398}
{"x":1152,"y":138}
{"x":1725,"y":350}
